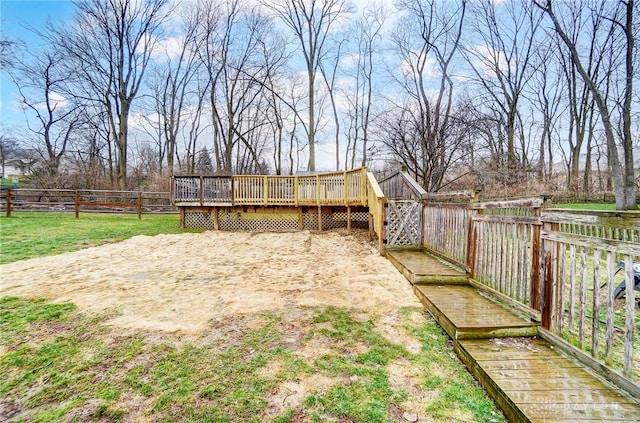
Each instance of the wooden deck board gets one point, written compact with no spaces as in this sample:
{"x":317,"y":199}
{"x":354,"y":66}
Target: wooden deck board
{"x":420,"y":267}
{"x":528,"y":379}
{"x":465,"y":313}
{"x":539,"y":384}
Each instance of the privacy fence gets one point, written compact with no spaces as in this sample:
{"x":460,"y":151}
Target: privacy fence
{"x":566,"y":269}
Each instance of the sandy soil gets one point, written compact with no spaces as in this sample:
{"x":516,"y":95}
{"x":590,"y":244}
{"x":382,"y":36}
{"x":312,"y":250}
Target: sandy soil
{"x":181,"y":283}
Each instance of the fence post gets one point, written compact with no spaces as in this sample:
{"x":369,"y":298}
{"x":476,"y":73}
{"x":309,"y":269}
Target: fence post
{"x":8,"y":202}
{"x":76,"y":204}
{"x":536,"y":245}
{"x":548,"y":263}
{"x":139,"y":205}
{"x":472,"y":240}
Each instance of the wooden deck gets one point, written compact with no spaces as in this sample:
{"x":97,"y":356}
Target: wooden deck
{"x":419,"y":267}
{"x":532,"y":382}
{"x":529,"y":380}
{"x":464,"y":313}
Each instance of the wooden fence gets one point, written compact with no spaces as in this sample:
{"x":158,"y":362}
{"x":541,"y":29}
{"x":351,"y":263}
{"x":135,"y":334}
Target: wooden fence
{"x":399,"y":185}
{"x":446,"y":222}
{"x":584,"y":259}
{"x":562,"y":268}
{"x":102,"y":201}
{"x":347,"y":188}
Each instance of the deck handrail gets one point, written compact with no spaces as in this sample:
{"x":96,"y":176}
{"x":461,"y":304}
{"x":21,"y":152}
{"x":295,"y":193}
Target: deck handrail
{"x":345,"y":188}
{"x":376,"y":202}
{"x":400,"y":185}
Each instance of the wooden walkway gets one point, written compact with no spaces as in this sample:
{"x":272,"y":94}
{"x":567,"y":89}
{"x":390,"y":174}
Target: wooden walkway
{"x":529,"y":380}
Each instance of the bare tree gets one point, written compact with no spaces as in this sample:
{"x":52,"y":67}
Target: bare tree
{"x":620,"y":36}
{"x":232,"y":55}
{"x":546,"y":91}
{"x":52,"y":113}
{"x":173,"y":91}
{"x":427,"y":41}
{"x":311,"y":22}
{"x":502,"y":61}
{"x":110,"y":44}
{"x":368,"y":35}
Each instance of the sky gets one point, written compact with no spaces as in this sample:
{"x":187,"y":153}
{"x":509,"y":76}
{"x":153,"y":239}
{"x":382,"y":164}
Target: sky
{"x":16,"y":16}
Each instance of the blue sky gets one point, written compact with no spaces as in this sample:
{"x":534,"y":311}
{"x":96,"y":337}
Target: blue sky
{"x":15,"y":17}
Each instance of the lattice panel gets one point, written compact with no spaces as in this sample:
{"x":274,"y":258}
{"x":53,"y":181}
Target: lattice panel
{"x":198,"y":220}
{"x":258,"y":222}
{"x":404,"y":224}
{"x":310,"y":221}
{"x":339,"y":220}
{"x":273,"y":222}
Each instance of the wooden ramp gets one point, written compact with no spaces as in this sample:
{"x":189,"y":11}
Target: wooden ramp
{"x":419,"y":267}
{"x":532,"y":382}
{"x":464,"y":313}
{"x":529,"y":380}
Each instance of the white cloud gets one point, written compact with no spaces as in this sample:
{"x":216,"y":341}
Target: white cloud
{"x":408,"y":67}
{"x":488,"y":60}
{"x":56,"y":101}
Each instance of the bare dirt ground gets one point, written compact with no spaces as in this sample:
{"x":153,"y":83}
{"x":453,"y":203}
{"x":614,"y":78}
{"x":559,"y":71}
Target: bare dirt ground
{"x":181,"y":283}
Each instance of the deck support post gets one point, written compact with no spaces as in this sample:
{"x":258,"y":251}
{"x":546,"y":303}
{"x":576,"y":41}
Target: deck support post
{"x":349,"y":220}
{"x":182,"y":209}
{"x":300,"y":219}
{"x":320,"y":218}
{"x":216,"y":219}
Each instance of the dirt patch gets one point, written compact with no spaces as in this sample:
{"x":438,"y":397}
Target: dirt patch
{"x":182,"y":283}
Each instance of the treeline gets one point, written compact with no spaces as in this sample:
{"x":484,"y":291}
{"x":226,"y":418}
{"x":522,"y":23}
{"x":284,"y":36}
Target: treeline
{"x":517,"y":94}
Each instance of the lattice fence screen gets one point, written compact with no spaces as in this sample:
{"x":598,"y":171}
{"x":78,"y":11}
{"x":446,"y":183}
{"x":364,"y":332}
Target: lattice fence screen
{"x":276,"y":222}
{"x":198,"y":220}
{"x":404,"y":223}
{"x":259,"y":222}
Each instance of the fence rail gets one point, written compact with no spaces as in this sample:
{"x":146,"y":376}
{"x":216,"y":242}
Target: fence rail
{"x":102,"y":201}
{"x":564,"y":268}
{"x":347,"y":188}
{"x":586,"y":259}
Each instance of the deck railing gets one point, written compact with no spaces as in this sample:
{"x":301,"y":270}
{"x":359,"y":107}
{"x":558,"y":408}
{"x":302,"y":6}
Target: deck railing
{"x":585,"y":258}
{"x":446,"y":219}
{"x":328,"y":189}
{"x":399,"y":185}
{"x":201,"y":189}
{"x":560,"y":267}
{"x":376,"y":201}
{"x":504,"y":245}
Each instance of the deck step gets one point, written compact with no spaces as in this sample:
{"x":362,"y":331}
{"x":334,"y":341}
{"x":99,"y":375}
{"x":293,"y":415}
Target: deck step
{"x":464,"y":313}
{"x":420,"y":267}
{"x":530,"y":381}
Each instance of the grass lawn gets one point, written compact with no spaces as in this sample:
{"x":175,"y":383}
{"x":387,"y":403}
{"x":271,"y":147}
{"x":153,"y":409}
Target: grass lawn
{"x":586,"y":206}
{"x":61,"y":365}
{"x":34,"y":234}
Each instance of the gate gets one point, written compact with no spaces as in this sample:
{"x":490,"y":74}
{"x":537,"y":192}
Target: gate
{"x":404,"y":223}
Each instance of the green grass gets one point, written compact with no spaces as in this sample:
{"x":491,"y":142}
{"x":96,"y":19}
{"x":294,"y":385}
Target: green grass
{"x":58,"y":364}
{"x":586,"y":206}
{"x":30,"y":234}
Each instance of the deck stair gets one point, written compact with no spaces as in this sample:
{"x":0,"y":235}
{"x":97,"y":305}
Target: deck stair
{"x":530,"y":380}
